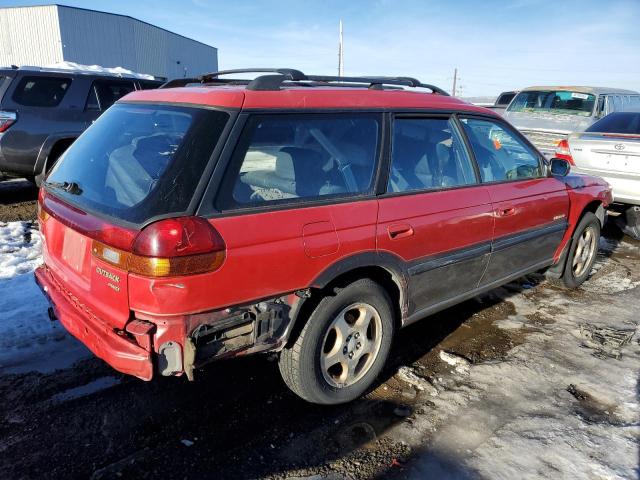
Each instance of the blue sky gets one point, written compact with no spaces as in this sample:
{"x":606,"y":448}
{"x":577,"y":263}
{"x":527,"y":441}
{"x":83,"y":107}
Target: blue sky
{"x":496,"y":45}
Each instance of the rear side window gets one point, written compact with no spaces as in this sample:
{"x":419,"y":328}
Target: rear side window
{"x":41,"y":91}
{"x":428,"y":153}
{"x":281,"y":158}
{"x":104,"y":93}
{"x":500,"y":154}
{"x":139,"y":161}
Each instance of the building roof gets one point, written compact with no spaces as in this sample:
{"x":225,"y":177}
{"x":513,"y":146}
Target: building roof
{"x":295,"y":97}
{"x":109,"y":13}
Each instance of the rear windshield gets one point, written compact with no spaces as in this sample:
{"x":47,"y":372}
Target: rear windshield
{"x":138,"y":161}
{"x":505,"y":98}
{"x":557,"y":102}
{"x":41,"y":91}
{"x":4,"y":83}
{"x":624,"y":122}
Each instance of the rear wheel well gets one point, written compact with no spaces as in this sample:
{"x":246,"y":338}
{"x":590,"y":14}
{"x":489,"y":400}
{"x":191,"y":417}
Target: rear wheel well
{"x":58,"y":149}
{"x":379,"y":275}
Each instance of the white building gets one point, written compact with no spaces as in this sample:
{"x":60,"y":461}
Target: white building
{"x":49,"y":34}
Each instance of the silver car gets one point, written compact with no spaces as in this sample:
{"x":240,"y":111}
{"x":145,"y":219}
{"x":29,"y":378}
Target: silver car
{"x":547,"y":115}
{"x":610,"y":148}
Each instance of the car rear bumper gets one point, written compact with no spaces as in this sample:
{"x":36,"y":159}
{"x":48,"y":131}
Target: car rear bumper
{"x":112,"y":346}
{"x":625,"y":187}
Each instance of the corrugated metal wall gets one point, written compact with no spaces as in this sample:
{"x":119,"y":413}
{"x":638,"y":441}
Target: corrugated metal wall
{"x":90,"y":37}
{"x":29,"y":36}
{"x":49,"y":34}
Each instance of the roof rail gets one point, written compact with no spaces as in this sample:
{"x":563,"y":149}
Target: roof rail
{"x":179,"y":82}
{"x":276,"y":77}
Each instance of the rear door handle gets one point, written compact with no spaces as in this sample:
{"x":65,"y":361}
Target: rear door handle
{"x":507,"y":211}
{"x":400,"y":230}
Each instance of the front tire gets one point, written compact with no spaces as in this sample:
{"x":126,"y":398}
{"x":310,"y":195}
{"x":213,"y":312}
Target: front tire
{"x":583,"y":251}
{"x":342,"y":347}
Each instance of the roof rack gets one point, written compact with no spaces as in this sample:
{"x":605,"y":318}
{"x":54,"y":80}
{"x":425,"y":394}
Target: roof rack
{"x":278,"y":76}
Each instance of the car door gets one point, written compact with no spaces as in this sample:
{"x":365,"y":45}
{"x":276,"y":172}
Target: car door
{"x":296,"y":196}
{"x":530,"y":208}
{"x":435,"y":215}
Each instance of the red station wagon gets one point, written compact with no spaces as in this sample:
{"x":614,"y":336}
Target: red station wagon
{"x":307,"y":215}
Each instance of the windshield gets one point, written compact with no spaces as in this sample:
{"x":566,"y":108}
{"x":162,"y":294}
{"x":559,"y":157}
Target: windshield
{"x":622,"y":122}
{"x":556,"y":102}
{"x":138,"y":161}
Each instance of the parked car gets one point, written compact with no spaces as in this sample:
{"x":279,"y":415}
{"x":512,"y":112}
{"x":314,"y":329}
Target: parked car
{"x":291,"y":214}
{"x":43,"y":111}
{"x":610,"y":148}
{"x":547,"y":115}
{"x":503,"y":101}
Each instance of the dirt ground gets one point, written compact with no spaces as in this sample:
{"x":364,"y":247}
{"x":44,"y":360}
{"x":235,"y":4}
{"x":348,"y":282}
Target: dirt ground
{"x":238,"y":420}
{"x":17,"y":200}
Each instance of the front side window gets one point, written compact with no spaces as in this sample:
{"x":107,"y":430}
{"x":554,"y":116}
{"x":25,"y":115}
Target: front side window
{"x":139,"y":161}
{"x":561,"y":102}
{"x":501,"y":155}
{"x":104,"y":93}
{"x":41,"y":91}
{"x":281,"y":158}
{"x":428,"y":153}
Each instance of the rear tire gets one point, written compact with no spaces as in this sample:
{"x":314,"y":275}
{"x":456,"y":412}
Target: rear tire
{"x":582,"y":252}
{"x":343,"y":345}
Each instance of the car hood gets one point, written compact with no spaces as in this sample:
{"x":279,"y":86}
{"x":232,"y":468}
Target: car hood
{"x":548,"y":121}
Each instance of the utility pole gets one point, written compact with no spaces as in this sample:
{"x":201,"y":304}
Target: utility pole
{"x":340,"y":54}
{"x":455,"y":79}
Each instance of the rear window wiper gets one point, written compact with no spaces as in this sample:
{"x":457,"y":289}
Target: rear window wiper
{"x":70,"y":187}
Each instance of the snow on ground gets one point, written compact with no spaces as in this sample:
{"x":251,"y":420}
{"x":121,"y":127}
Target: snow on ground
{"x":555,"y":408}
{"x":20,"y":246}
{"x":29,"y":341}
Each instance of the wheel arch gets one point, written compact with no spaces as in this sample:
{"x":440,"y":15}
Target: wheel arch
{"x":383,"y":268}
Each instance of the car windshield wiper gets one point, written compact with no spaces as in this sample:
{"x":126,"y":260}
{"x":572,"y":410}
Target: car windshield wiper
{"x":70,"y":187}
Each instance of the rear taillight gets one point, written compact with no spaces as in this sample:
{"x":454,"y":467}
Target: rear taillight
{"x":563,"y":151}
{"x":6,"y":120}
{"x":172,"y":247}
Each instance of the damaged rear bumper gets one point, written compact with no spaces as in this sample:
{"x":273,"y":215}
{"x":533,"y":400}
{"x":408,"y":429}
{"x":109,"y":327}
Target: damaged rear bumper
{"x":112,"y":346}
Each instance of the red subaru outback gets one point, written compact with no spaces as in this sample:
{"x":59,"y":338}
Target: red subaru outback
{"x":307,"y":215}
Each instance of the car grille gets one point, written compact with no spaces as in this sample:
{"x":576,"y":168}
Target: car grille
{"x":544,"y":140}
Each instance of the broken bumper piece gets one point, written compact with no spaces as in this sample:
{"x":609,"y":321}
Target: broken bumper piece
{"x":113,"y":347}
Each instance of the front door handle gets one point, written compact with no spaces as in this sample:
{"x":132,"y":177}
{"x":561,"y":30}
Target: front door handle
{"x":400,"y":230}
{"x":507,"y":211}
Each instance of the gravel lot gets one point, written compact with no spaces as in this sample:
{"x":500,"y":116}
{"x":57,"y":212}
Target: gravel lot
{"x":518,"y":383}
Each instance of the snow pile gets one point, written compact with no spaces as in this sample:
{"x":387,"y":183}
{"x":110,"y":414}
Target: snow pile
{"x":553,"y":409}
{"x":20,"y":245}
{"x":28,"y":339}
{"x":121,"y":71}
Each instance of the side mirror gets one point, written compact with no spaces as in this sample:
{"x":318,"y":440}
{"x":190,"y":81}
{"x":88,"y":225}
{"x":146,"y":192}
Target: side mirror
{"x":560,"y":167}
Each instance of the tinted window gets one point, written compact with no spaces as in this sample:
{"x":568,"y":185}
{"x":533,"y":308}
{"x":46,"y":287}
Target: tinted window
{"x":622,"y":122}
{"x":4,"y":83}
{"x":41,"y":91}
{"x":104,"y":93}
{"x":136,"y":162}
{"x":500,"y":153}
{"x":427,"y":154}
{"x":505,"y":98}
{"x":148,"y":85}
{"x":558,"y":102}
{"x":285,"y":157}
